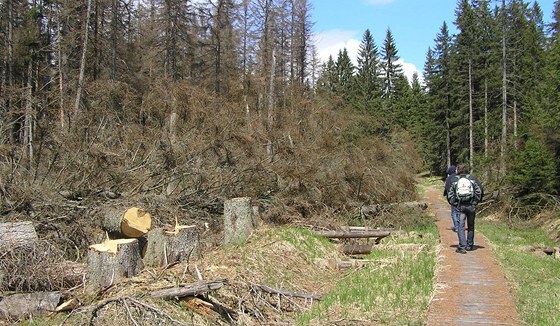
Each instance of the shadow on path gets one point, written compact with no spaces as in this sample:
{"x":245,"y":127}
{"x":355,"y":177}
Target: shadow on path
{"x":471,"y":289}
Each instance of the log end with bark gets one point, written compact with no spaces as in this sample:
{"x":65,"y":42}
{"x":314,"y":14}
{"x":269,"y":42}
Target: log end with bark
{"x":133,"y":223}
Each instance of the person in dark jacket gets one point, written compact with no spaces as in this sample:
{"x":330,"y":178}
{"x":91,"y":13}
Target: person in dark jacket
{"x":451,"y":172}
{"x":466,"y":208}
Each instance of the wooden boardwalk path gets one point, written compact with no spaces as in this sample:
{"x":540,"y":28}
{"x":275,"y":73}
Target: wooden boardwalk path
{"x":471,"y":288}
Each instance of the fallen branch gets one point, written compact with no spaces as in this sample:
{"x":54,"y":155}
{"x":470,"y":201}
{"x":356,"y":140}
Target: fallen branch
{"x":191,"y":290}
{"x":287,"y":293}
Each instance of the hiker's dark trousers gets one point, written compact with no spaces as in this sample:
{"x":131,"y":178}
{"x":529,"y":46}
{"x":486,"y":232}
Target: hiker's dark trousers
{"x":466,"y":216}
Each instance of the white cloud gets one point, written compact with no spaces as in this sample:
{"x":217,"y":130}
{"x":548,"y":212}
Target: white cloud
{"x":409,"y":69}
{"x":329,"y":43}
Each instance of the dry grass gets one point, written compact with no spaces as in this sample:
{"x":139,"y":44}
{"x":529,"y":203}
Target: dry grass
{"x":37,"y":267}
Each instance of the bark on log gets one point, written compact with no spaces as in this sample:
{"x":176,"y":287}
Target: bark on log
{"x":13,"y":234}
{"x":356,"y":249}
{"x":239,"y":220}
{"x":112,"y":261}
{"x":170,"y":246}
{"x":133,"y":223}
{"x":21,"y":306}
{"x":355,"y":234}
{"x":372,"y":210}
{"x":191,"y":290}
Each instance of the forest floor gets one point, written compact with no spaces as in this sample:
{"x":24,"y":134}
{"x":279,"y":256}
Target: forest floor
{"x":470,"y":288}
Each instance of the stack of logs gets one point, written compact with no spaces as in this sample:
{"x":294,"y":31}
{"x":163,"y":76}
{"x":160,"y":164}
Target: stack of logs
{"x":131,"y":243}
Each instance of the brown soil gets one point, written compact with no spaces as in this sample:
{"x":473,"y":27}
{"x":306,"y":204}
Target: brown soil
{"x":471,"y":289}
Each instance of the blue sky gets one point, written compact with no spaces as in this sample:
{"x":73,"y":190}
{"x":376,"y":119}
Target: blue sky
{"x":414,"y":24}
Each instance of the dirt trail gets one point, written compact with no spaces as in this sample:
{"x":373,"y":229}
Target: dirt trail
{"x":471,"y":288}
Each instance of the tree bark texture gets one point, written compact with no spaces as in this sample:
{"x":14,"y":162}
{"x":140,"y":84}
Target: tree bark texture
{"x":167,"y":247}
{"x":106,"y":268}
{"x":82,"y":62}
{"x":14,"y":234}
{"x":239,"y":220}
{"x":23,"y":305}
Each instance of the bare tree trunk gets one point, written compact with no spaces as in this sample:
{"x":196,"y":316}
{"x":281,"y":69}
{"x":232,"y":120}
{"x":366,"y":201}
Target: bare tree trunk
{"x":114,"y":25}
{"x":28,"y":117}
{"x":83,"y":63}
{"x":471,"y":123}
{"x":60,"y":73}
{"x":271,"y":100}
{"x":503,"y":144}
{"x":10,"y":56}
{"x":447,"y":136}
{"x":486,"y":118}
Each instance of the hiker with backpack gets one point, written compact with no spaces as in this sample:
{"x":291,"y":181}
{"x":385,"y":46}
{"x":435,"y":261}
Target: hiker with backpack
{"x":451,"y":173}
{"x":465,"y":192}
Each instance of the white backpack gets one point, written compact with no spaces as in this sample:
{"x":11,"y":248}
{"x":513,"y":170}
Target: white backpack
{"x":464,"y":189}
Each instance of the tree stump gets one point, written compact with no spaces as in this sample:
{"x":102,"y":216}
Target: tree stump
{"x":167,"y":246}
{"x":133,"y":223}
{"x":239,"y":220}
{"x":112,"y":261}
{"x":13,"y":234}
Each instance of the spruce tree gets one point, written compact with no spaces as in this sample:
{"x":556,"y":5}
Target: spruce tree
{"x":345,"y":74}
{"x":390,"y":69}
{"x":367,"y":87}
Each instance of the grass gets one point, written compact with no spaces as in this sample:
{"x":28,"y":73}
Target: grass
{"x":535,"y":277}
{"x":395,"y":289}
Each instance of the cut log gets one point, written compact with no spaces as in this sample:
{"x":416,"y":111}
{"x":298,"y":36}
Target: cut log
{"x":372,"y":210}
{"x":13,"y":234}
{"x":133,"y":223}
{"x":356,"y":249}
{"x":112,"y":261}
{"x":239,"y":220}
{"x":170,"y":246}
{"x":23,"y":305}
{"x":355,"y":234}
{"x":191,"y":290}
